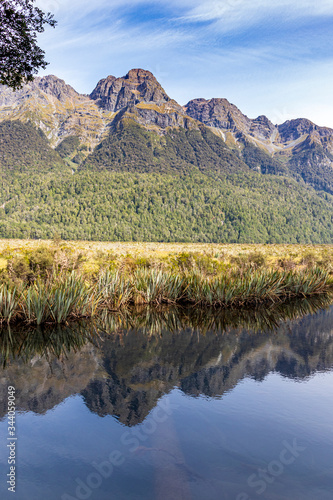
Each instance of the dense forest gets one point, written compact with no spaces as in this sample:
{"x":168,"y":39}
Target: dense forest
{"x":244,"y":207}
{"x":130,"y":147}
{"x":185,"y":185}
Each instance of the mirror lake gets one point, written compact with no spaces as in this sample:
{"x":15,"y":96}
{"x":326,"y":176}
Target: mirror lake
{"x":173,"y":404}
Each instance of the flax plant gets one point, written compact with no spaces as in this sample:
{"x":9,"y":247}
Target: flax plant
{"x":115,"y":289}
{"x":157,"y":286}
{"x":8,"y":303}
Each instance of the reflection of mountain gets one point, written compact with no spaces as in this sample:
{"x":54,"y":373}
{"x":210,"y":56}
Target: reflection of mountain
{"x":42,"y":384}
{"x":48,"y":366}
{"x":131,"y":370}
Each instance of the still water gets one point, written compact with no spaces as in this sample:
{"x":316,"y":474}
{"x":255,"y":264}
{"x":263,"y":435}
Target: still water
{"x":173,"y":405}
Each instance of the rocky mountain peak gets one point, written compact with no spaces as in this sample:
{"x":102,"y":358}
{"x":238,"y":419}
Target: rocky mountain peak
{"x":50,"y":85}
{"x":219,"y":113}
{"x":262,"y":127}
{"x":139,"y":75}
{"x":292,"y":130}
{"x":54,"y":86}
{"x":137,"y":86}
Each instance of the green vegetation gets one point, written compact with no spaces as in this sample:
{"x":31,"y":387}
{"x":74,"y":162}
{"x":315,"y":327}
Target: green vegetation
{"x":21,"y":57}
{"x":130,"y":147}
{"x":50,"y":284}
{"x":185,"y":186}
{"x":259,"y":160}
{"x":63,"y":297}
{"x":25,"y":148}
{"x":313,"y":165}
{"x":68,"y":146}
{"x":105,"y":206}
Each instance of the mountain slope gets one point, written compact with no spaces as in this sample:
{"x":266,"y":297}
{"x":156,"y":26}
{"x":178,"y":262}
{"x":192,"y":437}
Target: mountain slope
{"x":57,"y":109}
{"x":135,"y":165}
{"x":130,"y":147}
{"x":24,"y":148}
{"x":297,"y":148}
{"x":126,"y":206}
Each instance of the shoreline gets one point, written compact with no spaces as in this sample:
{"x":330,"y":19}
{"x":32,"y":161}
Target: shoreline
{"x":70,"y":296}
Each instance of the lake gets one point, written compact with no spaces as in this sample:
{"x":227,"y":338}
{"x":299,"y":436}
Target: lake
{"x":172,"y":404}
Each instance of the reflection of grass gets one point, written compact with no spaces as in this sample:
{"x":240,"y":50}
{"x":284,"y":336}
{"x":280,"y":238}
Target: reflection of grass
{"x":58,"y":340}
{"x":55,"y":340}
{"x":154,"y":320}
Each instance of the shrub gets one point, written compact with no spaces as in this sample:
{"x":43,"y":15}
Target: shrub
{"x":256,"y":260}
{"x":41,"y":261}
{"x":19,"y":269}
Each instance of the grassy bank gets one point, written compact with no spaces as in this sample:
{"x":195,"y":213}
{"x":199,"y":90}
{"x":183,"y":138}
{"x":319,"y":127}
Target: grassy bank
{"x":54,"y":281}
{"x":69,"y":296}
{"x":90,"y":257}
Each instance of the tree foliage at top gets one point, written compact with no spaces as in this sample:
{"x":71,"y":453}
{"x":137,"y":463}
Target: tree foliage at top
{"x":20,"y":56}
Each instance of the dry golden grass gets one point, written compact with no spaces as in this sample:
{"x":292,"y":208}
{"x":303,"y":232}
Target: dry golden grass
{"x":42,"y":281}
{"x":273,"y":254}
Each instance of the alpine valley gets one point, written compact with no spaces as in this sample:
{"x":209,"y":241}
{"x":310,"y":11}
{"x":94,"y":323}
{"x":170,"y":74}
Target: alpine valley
{"x":127,"y":162}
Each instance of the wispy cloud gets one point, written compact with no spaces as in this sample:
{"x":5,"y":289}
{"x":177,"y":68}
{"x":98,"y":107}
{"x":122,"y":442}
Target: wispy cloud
{"x":239,"y":13}
{"x":260,"y":54}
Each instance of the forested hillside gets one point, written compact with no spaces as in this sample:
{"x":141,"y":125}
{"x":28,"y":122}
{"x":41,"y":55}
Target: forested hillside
{"x":25,"y":148}
{"x":130,"y":147}
{"x":244,"y":207}
{"x":130,"y":163}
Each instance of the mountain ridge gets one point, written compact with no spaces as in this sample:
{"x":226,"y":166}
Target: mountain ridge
{"x":127,"y":162}
{"x":297,"y":148}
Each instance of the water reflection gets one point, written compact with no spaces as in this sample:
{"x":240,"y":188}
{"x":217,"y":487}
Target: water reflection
{"x":123,"y":364}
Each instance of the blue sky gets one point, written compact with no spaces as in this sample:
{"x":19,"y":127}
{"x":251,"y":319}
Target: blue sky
{"x":272,"y":57}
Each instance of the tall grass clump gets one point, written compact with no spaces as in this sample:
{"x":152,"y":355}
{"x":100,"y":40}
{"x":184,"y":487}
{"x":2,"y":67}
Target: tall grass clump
{"x":157,"y":286}
{"x":35,"y":303}
{"x":253,"y":287}
{"x":8,"y":303}
{"x":73,"y":297}
{"x":57,"y":301}
{"x":114,"y":288}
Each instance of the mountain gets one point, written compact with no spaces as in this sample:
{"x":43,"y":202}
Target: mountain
{"x":80,"y":125}
{"x":25,"y":148}
{"x":297,"y":148}
{"x":71,"y":145}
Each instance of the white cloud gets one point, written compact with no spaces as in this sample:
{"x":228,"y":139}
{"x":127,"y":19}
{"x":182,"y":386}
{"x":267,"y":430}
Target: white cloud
{"x":240,"y":13}
{"x":232,"y":13}
{"x":280,"y":75}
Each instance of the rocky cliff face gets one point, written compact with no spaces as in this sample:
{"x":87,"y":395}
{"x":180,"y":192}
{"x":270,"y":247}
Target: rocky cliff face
{"x":262,"y":128}
{"x":218,"y":113}
{"x":57,"y":109}
{"x":221,"y":114}
{"x":138,"y":85}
